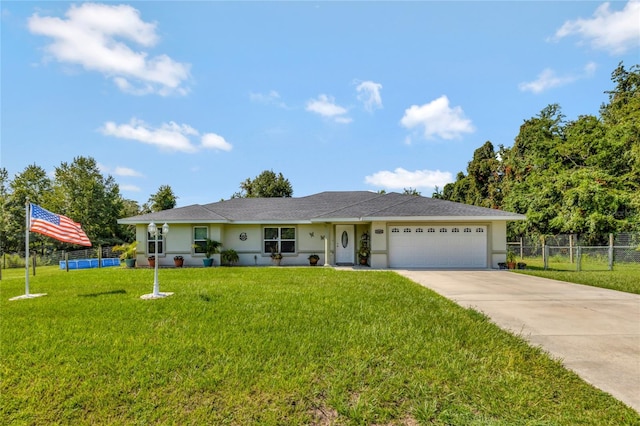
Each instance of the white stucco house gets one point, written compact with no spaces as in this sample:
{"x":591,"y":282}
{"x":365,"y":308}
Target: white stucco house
{"x":400,"y":231}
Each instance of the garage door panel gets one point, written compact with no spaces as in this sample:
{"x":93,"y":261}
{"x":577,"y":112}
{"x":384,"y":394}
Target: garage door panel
{"x":438,"y":246}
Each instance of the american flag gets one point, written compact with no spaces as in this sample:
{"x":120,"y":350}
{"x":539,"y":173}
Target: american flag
{"x":57,"y":226}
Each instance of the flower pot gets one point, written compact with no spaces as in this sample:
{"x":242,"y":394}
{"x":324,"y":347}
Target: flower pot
{"x":131,"y":263}
{"x":511,"y":265}
{"x":178,"y":262}
{"x":207,"y":262}
{"x":152,"y":263}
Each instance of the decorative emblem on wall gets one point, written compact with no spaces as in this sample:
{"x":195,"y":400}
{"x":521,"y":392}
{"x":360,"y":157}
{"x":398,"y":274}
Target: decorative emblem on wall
{"x":243,"y":236}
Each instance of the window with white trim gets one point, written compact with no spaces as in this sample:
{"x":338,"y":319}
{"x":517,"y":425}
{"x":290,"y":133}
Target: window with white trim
{"x":200,"y":235}
{"x":151,"y":242}
{"x":279,"y":240}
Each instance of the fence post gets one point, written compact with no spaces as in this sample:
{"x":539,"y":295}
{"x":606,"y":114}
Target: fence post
{"x":99,"y":256}
{"x":579,"y":259}
{"x":545,"y":255}
{"x":34,"y":265}
{"x":611,"y":252}
{"x":570,"y":248}
{"x":521,"y":250}
{"x":66,"y":261}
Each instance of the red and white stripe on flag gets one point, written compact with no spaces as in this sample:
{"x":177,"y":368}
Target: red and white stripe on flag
{"x":57,"y":226}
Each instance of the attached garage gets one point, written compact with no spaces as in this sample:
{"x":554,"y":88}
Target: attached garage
{"x":446,"y":246}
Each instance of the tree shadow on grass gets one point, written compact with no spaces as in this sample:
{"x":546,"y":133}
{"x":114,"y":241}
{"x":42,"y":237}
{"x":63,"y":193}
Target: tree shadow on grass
{"x":104,"y":293}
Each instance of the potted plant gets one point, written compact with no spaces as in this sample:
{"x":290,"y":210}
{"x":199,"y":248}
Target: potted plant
{"x":178,"y":261}
{"x":511,"y":260}
{"x":276,"y":257}
{"x":152,"y":261}
{"x":128,"y":253}
{"x":211,"y":247}
{"x":313,"y":259}
{"x":229,"y":257}
{"x":363,"y":254}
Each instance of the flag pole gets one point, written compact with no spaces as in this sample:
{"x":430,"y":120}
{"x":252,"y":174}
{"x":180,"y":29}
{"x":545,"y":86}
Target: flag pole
{"x":26,"y":294}
{"x":26,"y":247}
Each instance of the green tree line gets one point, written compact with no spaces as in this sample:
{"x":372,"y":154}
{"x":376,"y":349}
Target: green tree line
{"x":77,"y":190}
{"x":580,"y":177}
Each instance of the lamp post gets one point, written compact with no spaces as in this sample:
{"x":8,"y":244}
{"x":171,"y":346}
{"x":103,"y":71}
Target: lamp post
{"x":154,"y":231}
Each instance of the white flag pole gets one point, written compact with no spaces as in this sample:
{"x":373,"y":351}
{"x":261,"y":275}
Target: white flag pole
{"x":26,"y":294}
{"x":26,"y":248}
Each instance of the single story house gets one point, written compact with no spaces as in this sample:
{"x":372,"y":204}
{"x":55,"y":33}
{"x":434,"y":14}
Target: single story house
{"x":396,"y":230}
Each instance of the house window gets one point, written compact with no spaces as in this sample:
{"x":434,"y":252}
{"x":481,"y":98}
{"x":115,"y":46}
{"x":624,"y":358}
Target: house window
{"x":279,"y":240}
{"x":431,"y":230}
{"x":479,"y":230}
{"x":200,"y":235}
{"x":443,"y":229}
{"x":467,"y":229}
{"x":151,"y":242}
{"x":394,"y":230}
{"x":407,"y":229}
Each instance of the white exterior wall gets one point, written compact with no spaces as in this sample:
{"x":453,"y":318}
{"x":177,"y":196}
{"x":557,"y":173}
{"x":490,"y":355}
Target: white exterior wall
{"x":308,"y":241}
{"x":498,"y":243}
{"x":379,"y":258}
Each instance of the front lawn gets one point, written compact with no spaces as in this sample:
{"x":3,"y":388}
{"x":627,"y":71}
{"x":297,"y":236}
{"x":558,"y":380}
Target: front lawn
{"x":271,"y":346}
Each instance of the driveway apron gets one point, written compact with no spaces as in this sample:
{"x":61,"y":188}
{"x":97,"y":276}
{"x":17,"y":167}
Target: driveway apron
{"x":595,"y":332}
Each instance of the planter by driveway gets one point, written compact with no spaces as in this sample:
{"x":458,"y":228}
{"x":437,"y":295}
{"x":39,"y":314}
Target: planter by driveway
{"x":594,"y":331}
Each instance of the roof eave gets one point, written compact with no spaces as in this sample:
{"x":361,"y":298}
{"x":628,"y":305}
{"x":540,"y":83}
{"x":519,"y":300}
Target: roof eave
{"x":442,"y":218}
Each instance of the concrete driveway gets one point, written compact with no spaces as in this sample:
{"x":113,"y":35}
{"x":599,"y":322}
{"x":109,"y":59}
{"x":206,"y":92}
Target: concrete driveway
{"x":593,"y":331}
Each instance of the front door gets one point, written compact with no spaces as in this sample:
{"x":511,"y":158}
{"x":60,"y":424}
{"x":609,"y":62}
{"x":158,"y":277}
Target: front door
{"x":345,"y":244}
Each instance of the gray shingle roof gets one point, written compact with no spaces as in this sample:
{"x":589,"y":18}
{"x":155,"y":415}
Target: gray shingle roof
{"x":324,"y":206}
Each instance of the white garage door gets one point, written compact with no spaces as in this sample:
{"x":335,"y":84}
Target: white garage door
{"x":451,"y":246}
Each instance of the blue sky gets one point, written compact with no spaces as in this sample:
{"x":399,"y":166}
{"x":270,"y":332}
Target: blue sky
{"x":334,"y":95}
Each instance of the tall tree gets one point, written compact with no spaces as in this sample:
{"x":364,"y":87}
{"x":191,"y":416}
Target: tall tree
{"x":32,"y":184}
{"x":267,"y":185}
{"x":164,"y":199}
{"x":83,"y":194}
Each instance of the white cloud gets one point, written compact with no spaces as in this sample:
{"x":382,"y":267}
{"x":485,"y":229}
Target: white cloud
{"x":211,"y":140}
{"x":129,"y":188}
{"x":617,"y":31}
{"x":271,"y":98}
{"x":548,"y":79}
{"x":401,"y":178}
{"x":369,"y":95}
{"x":438,"y":119}
{"x":93,"y":36}
{"x":126,"y":171}
{"x":119,"y":171}
{"x":168,"y":137}
{"x":326,"y":107}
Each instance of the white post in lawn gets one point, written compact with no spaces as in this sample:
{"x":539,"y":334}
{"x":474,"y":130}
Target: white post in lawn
{"x":153,"y":230}
{"x":26,"y":294}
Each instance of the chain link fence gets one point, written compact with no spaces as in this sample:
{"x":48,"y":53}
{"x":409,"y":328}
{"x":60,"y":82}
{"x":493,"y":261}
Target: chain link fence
{"x":15,"y":260}
{"x":565,"y":252}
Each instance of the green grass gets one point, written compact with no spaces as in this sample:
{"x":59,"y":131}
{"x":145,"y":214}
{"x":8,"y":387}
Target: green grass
{"x":271,"y":346}
{"x":624,"y":277}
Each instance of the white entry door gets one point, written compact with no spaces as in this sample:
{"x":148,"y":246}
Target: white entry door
{"x":345,"y":244}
